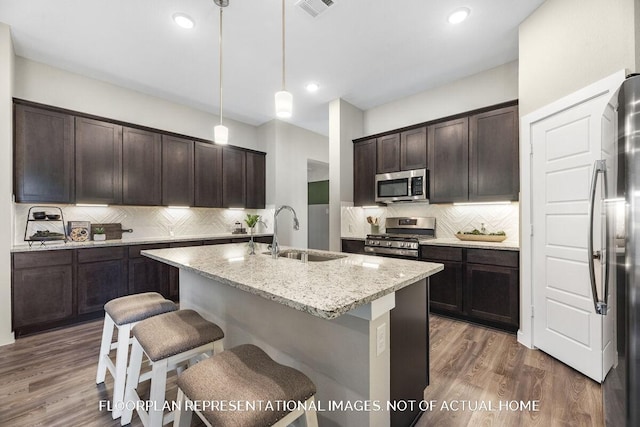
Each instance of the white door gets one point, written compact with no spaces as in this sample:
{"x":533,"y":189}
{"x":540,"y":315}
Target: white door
{"x":565,"y":143}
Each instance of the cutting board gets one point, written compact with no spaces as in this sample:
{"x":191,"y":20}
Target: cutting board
{"x":112,"y":230}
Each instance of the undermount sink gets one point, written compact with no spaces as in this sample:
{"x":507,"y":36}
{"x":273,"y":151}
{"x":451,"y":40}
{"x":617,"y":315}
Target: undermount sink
{"x":311,"y":257}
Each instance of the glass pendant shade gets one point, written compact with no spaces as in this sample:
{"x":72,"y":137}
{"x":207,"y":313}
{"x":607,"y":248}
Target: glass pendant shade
{"x":221,"y":134}
{"x":284,"y":104}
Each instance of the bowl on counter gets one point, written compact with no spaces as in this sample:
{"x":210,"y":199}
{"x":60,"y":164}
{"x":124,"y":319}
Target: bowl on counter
{"x":53,"y":216}
{"x":39,"y":215}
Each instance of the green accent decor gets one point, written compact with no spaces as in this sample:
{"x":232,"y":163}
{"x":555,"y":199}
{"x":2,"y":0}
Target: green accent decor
{"x":319,"y":193}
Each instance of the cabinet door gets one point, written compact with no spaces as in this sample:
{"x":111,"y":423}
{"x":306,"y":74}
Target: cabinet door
{"x":42,"y":296}
{"x":353,"y":246}
{"x":493,"y":155}
{"x":233,"y":178}
{"x":100,"y":282}
{"x":141,"y":167}
{"x":147,"y":275}
{"x":364,"y":173}
{"x":448,"y":144}
{"x":492,"y":294}
{"x":413,"y":149}
{"x":43,"y":153}
{"x":388,"y":153}
{"x":446,"y":288}
{"x":177,"y":171}
{"x":208,"y":175}
{"x":255,"y":180}
{"x":98,"y":162}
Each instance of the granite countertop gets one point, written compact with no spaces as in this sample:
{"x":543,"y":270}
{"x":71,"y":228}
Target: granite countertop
{"x":507,"y":245}
{"x":58,"y":245}
{"x":325,"y":289}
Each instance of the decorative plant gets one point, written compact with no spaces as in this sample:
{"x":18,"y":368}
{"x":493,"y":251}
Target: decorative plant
{"x":252,"y":220}
{"x":98,"y":230}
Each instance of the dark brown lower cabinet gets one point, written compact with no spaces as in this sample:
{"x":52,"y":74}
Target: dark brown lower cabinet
{"x":480,"y":285}
{"x":101,"y":275}
{"x":42,"y":291}
{"x":146,"y":274}
{"x":353,"y":246}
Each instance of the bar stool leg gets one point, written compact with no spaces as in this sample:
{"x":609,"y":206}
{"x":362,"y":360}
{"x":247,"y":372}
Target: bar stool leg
{"x":133,"y":377}
{"x":184,"y":413}
{"x":310,"y":416}
{"x":157,"y":394}
{"x":122,"y":354}
{"x":105,"y":348}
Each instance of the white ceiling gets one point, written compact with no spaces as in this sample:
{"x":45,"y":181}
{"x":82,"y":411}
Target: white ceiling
{"x":367,"y":52}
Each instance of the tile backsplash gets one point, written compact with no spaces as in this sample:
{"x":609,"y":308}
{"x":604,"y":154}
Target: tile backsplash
{"x":149,"y":221}
{"x":449,"y":218}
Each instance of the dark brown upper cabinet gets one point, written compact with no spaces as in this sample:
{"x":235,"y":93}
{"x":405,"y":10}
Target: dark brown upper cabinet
{"x":234,"y":175}
{"x":177,"y":171}
{"x":255,"y":180}
{"x":493,"y":155}
{"x":449,"y":161}
{"x":98,"y":162}
{"x":141,"y":167}
{"x":43,"y":153}
{"x":388,"y":148}
{"x":413,"y":149}
{"x":208,"y":175}
{"x":364,"y":172}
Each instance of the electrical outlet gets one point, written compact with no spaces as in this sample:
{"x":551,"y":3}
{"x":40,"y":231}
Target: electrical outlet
{"x":381,"y":339}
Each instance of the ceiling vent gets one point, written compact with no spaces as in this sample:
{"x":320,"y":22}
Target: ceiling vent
{"x":314,"y":7}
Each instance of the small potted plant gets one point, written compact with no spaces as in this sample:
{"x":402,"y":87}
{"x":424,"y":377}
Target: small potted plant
{"x":251,"y":221}
{"x":98,"y":234}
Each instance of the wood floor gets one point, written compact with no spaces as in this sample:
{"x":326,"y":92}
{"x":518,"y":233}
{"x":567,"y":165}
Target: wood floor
{"x":49,"y":380}
{"x":473,"y":365}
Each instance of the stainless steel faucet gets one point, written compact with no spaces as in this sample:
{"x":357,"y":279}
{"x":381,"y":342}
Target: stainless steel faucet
{"x":275,"y":248}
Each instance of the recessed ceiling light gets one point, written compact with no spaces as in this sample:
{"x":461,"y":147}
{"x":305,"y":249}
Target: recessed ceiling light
{"x":183,"y":20}
{"x":459,"y":15}
{"x":312,"y":87}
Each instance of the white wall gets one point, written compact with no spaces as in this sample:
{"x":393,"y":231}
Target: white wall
{"x":568,"y":44}
{"x":53,"y":86}
{"x":6,"y":186}
{"x":489,"y":87}
{"x":289,"y":149}
{"x":345,"y":124}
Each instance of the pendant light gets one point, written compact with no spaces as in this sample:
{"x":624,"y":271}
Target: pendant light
{"x":284,"y":99}
{"x":221,"y":132}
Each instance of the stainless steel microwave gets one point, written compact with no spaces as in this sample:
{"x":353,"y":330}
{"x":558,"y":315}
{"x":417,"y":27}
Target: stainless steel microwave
{"x":405,"y":186}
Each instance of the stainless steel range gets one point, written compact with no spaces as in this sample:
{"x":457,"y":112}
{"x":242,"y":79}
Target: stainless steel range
{"x":402,"y":237}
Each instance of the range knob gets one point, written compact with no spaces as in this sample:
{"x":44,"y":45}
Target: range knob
{"x":402,"y":244}
{"x":388,"y":243}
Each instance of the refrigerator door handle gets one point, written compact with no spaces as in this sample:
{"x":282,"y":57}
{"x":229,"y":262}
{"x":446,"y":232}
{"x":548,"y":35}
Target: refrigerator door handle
{"x":600,"y":166}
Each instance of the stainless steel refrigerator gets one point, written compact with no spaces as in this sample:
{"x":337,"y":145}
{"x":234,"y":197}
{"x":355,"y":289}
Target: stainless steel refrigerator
{"x":618,"y":261}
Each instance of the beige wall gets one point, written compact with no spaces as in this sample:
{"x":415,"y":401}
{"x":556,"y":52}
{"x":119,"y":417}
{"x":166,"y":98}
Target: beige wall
{"x":53,"y":86}
{"x":6,"y":186}
{"x":568,"y":44}
{"x":489,"y":87}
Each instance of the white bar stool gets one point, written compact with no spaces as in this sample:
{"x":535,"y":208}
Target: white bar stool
{"x":122,"y":313}
{"x":244,"y":374}
{"x":170,"y":341}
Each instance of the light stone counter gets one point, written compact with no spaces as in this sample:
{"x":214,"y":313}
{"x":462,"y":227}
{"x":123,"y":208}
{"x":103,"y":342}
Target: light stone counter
{"x":507,"y":245}
{"x":60,"y":245}
{"x":350,"y":324}
{"x":325,"y":289}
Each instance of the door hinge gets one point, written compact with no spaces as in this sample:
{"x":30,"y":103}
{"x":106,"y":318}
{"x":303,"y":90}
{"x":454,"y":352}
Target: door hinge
{"x":531,"y":149}
{"x":532,"y":311}
{"x":531,"y":231}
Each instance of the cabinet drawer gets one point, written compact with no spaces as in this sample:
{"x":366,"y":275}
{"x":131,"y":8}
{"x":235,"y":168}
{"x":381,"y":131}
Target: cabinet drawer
{"x":42,"y":259}
{"x":185,"y":244}
{"x":217,"y":241}
{"x":100,"y":254}
{"x":493,"y":257}
{"x":134,"y":251}
{"x":444,"y":253}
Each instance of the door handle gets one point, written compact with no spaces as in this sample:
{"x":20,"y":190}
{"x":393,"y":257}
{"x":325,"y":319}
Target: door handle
{"x":599,"y":167}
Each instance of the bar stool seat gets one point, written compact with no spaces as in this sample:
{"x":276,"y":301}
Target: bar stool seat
{"x":170,"y":341}
{"x":245,"y":374}
{"x":123,"y":313}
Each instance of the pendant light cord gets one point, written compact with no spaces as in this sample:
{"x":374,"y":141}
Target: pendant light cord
{"x":283,"y":46}
{"x":220,"y":43}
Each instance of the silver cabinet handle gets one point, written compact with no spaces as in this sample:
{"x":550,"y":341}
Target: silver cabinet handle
{"x":600,"y":166}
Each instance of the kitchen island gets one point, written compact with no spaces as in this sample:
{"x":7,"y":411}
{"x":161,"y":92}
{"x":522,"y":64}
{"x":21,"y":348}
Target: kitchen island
{"x":332,"y":319}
